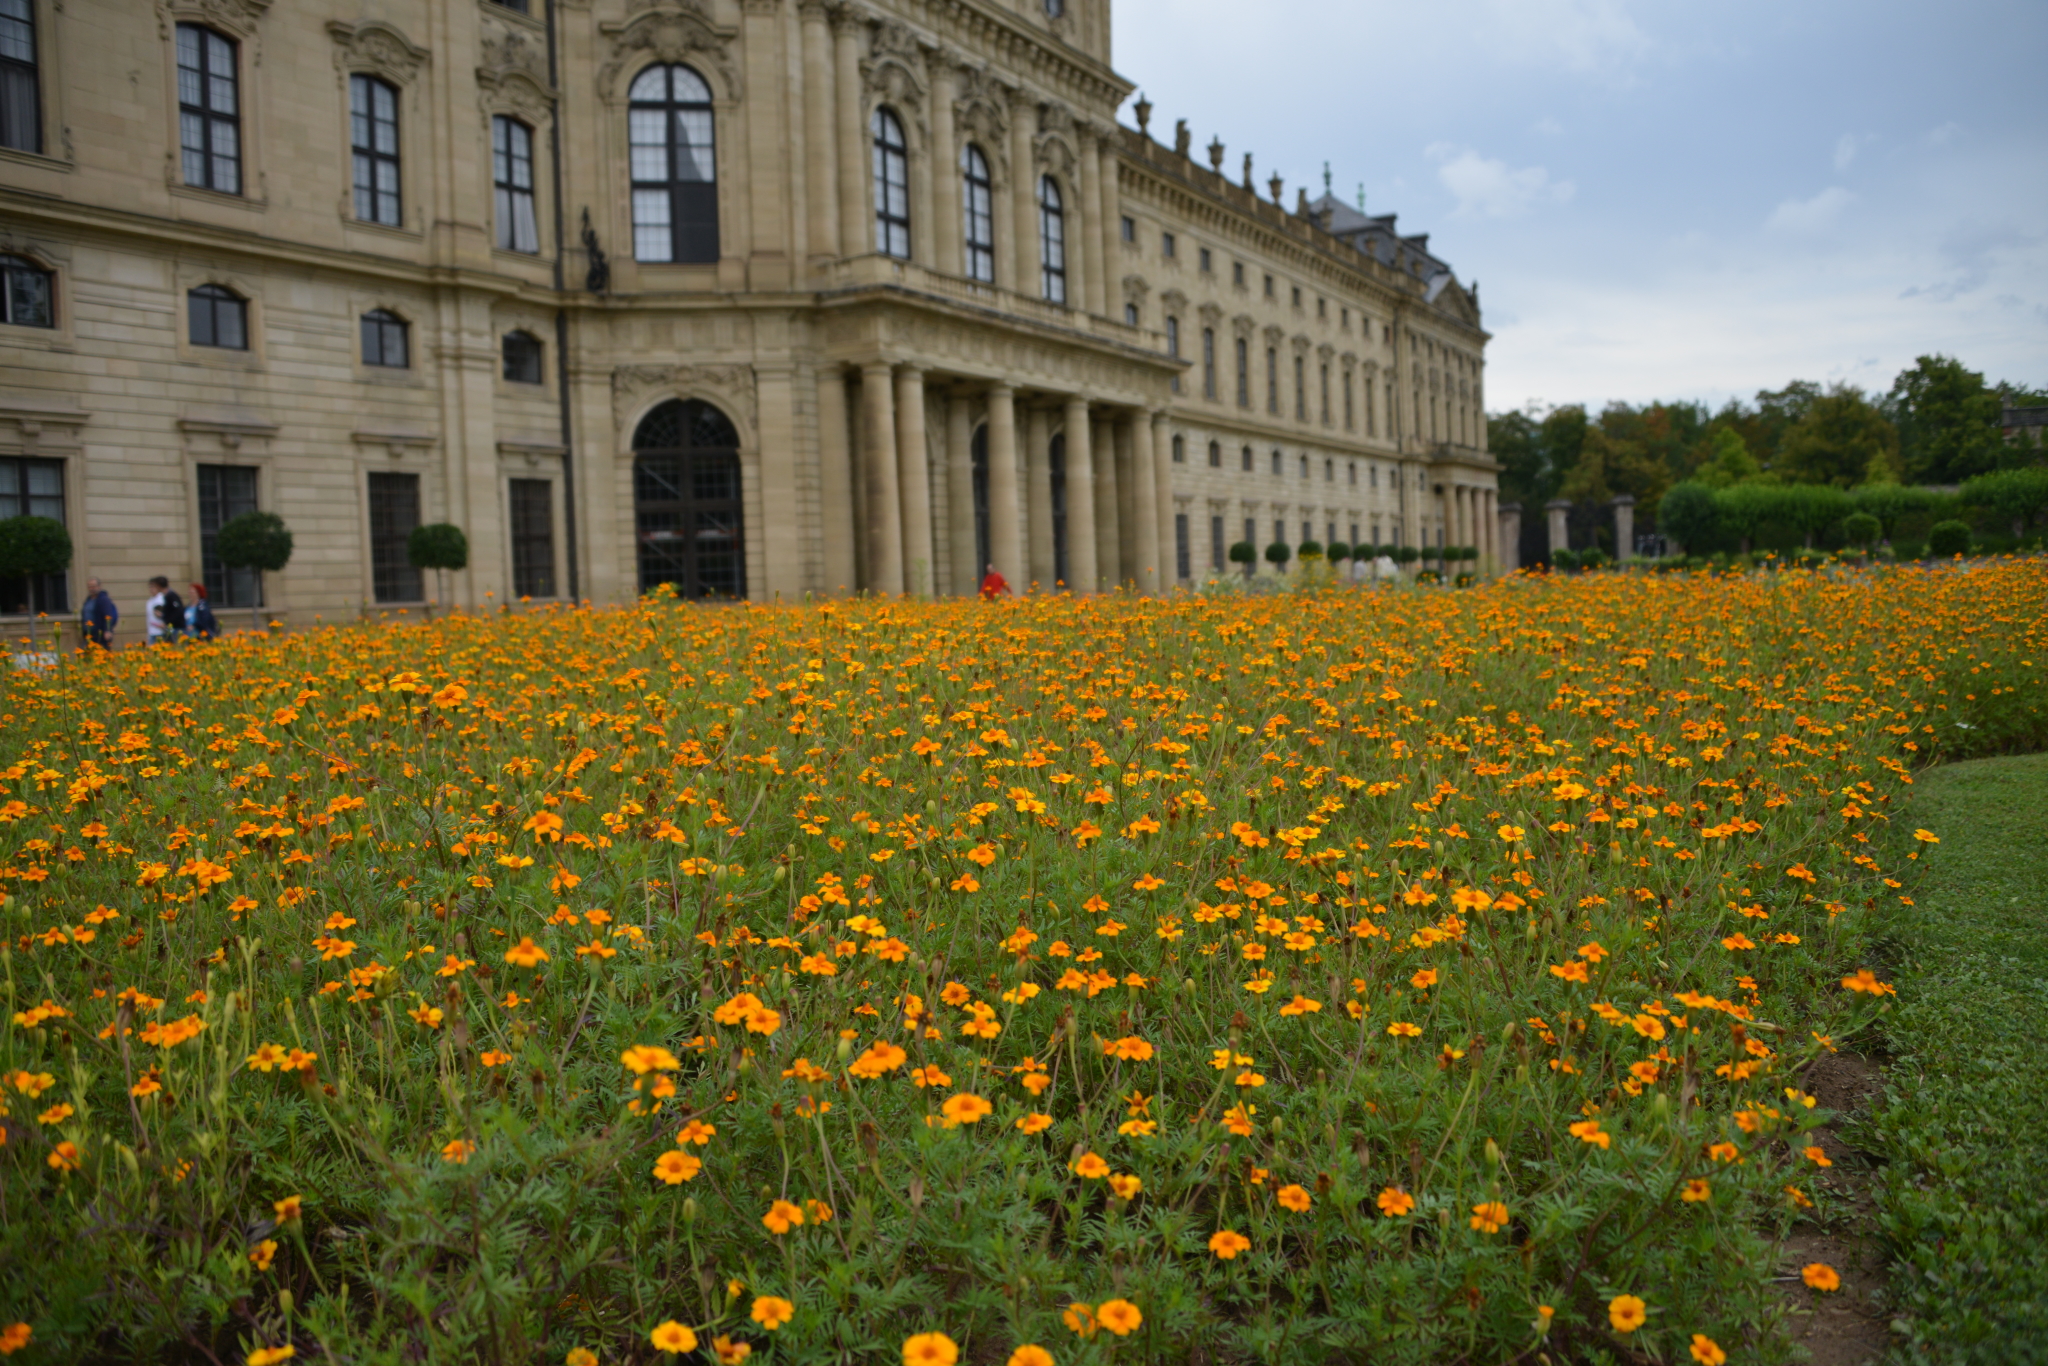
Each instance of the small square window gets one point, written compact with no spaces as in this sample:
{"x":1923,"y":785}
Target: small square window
{"x":1208,"y":262}
{"x":522,"y":356}
{"x":1166,"y":244}
{"x":384,"y":339}
{"x":1130,"y":228}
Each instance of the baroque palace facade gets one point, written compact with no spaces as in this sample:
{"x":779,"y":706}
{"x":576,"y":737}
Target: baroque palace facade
{"x":755,"y":297}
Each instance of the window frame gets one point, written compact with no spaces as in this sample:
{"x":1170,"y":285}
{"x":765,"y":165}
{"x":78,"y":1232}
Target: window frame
{"x":1168,"y":246}
{"x":1215,"y":455}
{"x":690,"y":207}
{"x":889,"y":172}
{"x":49,"y":593}
{"x":215,"y":295}
{"x":1052,"y":241}
{"x":507,"y":194}
{"x":1273,"y":380}
{"x":383,"y":325}
{"x":375,"y":151}
{"x":1209,"y":363}
{"x":1244,"y":373}
{"x":392,"y":573}
{"x":210,"y":119}
{"x":1127,"y":228}
{"x":28,"y":71}
{"x":14,"y":265}
{"x":977,"y":215}
{"x":219,"y":505}
{"x":1180,"y":449}
{"x":530,"y":539}
{"x":1205,"y":261}
{"x":540,"y":367}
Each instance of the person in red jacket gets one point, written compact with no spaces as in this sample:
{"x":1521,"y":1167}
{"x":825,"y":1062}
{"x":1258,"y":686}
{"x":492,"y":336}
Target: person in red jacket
{"x":994,"y":585}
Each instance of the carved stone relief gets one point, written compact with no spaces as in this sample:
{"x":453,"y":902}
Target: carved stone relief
{"x":376,"y":46}
{"x":670,"y":34}
{"x":235,"y":16}
{"x":729,"y":387}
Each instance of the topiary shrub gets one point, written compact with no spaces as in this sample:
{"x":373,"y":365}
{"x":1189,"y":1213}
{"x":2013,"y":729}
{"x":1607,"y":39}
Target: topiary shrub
{"x":31,"y":547}
{"x":1278,"y":554}
{"x":1860,"y":528}
{"x":1246,"y":554}
{"x":1311,"y":550}
{"x":255,"y":540}
{"x":1946,"y":540}
{"x":439,"y":546}
{"x":1564,"y":560}
{"x":1338,"y":552}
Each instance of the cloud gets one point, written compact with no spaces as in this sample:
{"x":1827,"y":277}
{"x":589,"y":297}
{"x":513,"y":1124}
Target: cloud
{"x":1846,"y":148}
{"x":1941,"y":136}
{"x":1485,"y":186}
{"x":1810,"y":215}
{"x":1548,"y":127}
{"x":1973,"y":249}
{"x":1579,"y":35}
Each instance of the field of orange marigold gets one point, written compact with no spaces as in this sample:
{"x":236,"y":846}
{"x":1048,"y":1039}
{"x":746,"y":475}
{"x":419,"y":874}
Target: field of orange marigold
{"x":1418,"y":975}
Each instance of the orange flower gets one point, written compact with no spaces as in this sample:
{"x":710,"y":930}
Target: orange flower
{"x":1395,"y":1202}
{"x":1227,"y":1243}
{"x":1401,"y":1029}
{"x":1490,"y":1217}
{"x":1091,"y":1166}
{"x":1588,"y":1130}
{"x":930,"y":1349}
{"x":1035,"y":1123}
{"x":1293,"y":1197}
{"x":288,"y":1209}
{"x":772,"y":1312}
{"x":1119,"y":1316}
{"x":1820,"y":1276}
{"x":1707,"y":1352}
{"x":965,"y":1108}
{"x":676,"y":1167}
{"x":1126,"y":1186}
{"x":527,"y":954}
{"x":673,"y":1338}
{"x":1695,"y":1191}
{"x":1030,"y":1354}
{"x":1626,"y":1313}
{"x":458,"y":1151}
{"x":782,"y":1216}
{"x":15,"y":1336}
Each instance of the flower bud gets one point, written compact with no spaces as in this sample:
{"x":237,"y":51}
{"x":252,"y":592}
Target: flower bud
{"x":1493,"y":1154}
{"x":690,"y":1209}
{"x":284,"y":1302}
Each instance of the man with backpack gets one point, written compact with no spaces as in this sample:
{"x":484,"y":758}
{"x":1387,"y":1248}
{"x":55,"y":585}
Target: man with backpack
{"x":166,"y":619}
{"x":98,"y":617}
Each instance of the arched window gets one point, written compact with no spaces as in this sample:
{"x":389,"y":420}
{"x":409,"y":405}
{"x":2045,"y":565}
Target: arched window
{"x":217,"y":316}
{"x":979,"y":221}
{"x":25,"y":293}
{"x":384,"y":339}
{"x":675,"y":171}
{"x":892,"y":186}
{"x":209,"y":110}
{"x":686,"y":501}
{"x":1215,"y":455}
{"x":512,"y":182}
{"x":1245,"y":463}
{"x":373,"y":138}
{"x":1180,"y":450}
{"x":1052,"y":241}
{"x":522,"y":356}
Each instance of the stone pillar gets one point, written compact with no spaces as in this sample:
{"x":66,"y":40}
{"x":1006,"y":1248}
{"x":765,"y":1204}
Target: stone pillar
{"x":966,"y":573}
{"x":781,"y":539}
{"x":1162,"y":496}
{"x":835,"y":483}
{"x":1024,"y":263}
{"x":1411,"y":504}
{"x":1624,"y":526}
{"x":1136,"y":437}
{"x":1081,"y":561}
{"x":1109,"y":226}
{"x":1005,"y":543}
{"x":1110,"y":541}
{"x":773,"y":237}
{"x":947,"y":230}
{"x":1084,"y":242}
{"x":855,"y":215}
{"x":884,"y":541}
{"x":1038,"y":491}
{"x":1510,"y":531}
{"x":821,"y":158}
{"x":913,"y":482}
{"x":1560,"y":529}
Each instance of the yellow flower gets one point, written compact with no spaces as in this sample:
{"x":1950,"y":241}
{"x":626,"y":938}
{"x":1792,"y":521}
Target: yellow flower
{"x":1227,"y":1243}
{"x":527,"y":954}
{"x":1626,"y":1313}
{"x":1707,"y":1352}
{"x":1126,"y":1186}
{"x":1695,"y":1191}
{"x":260,"y":1255}
{"x":673,"y":1338}
{"x":676,"y":1167}
{"x":772,"y":1312}
{"x":930,"y":1349}
{"x":1119,"y":1316}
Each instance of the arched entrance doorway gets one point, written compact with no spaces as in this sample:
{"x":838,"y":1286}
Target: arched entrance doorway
{"x":686,"y":501}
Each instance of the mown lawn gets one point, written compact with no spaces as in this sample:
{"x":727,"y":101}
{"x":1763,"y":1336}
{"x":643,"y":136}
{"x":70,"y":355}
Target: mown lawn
{"x":1961,"y":1200}
{"x":1418,"y":975}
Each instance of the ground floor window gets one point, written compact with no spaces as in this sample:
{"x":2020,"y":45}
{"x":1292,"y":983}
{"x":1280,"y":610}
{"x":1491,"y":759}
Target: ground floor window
{"x":33,"y":488}
{"x":1181,"y":564}
{"x":983,"y":554}
{"x":225,"y":493}
{"x":533,"y":538}
{"x":686,"y":501}
{"x":394,"y":512}
{"x":1216,"y":548}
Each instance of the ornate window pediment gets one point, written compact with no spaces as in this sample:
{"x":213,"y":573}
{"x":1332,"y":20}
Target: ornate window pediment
{"x":673,"y":33}
{"x":375,"y":46}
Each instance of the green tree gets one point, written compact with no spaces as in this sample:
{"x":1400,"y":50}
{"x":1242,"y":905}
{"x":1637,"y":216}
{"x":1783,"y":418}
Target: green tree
{"x":1947,"y":421}
{"x":439,"y":546}
{"x":259,"y":541}
{"x":1728,"y":461}
{"x":1536,"y":452}
{"x":2017,"y":495}
{"x":1841,"y":439}
{"x":1690,"y":514}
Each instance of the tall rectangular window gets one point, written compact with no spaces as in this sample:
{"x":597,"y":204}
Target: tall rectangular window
{"x":1273,"y":380}
{"x":209,"y":110}
{"x":533,"y":538}
{"x":373,"y":138}
{"x":394,"y":512}
{"x":1300,"y":391}
{"x":1166,"y":245}
{"x":1208,"y":262}
{"x":978,"y":214}
{"x":225,"y":493}
{"x":1209,"y":362}
{"x":1325,"y":382}
{"x":1244,"y":374}
{"x":1180,"y":450}
{"x":21,"y":98}
{"x":1182,"y":564}
{"x":1216,"y":548}
{"x":1350,"y":414}
{"x":1215,"y":455}
{"x":1251,"y":538}
{"x":670,"y":129}
{"x":512,"y":177}
{"x":32,"y":488}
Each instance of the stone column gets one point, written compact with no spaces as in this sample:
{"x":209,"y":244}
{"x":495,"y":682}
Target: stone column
{"x":885,"y":510}
{"x":1624,"y":526}
{"x":855,"y":216}
{"x":835,"y":483}
{"x":1131,"y":563}
{"x":1153,"y":558}
{"x":821,"y":157}
{"x":948,"y":228}
{"x":1109,"y":540}
{"x":960,"y":496}
{"x":781,"y":539}
{"x":1162,"y":497}
{"x":1411,"y":504}
{"x":913,"y":482}
{"x":1081,"y":561}
{"x":773,"y":237}
{"x":1109,"y":227}
{"x":1084,"y":242}
{"x":1038,"y":473}
{"x":1024,"y":215}
{"x":1005,"y":543}
{"x":1560,"y":529}
{"x":1510,"y":537}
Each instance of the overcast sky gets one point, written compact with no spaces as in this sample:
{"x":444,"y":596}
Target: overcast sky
{"x":1660,"y":200}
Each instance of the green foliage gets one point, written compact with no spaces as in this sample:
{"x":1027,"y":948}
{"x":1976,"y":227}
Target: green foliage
{"x":1278,"y":554}
{"x":1958,"y":1197}
{"x":1338,"y":551}
{"x":1406,"y":554}
{"x":437,"y":545}
{"x":2017,"y":495}
{"x":1563,"y":559}
{"x":1311,"y":550}
{"x":33,"y":546}
{"x":1728,"y":460}
{"x":1690,"y":514}
{"x":1841,"y":439}
{"x":1947,"y":419}
{"x":1890,"y":503}
{"x":1244,"y":552}
{"x":255,"y":540}
{"x":1862,"y":529}
{"x":1948,"y":539}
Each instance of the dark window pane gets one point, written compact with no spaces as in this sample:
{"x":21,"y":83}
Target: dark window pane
{"x":672,"y":153}
{"x":33,"y":488}
{"x":533,"y":538}
{"x":225,"y":493}
{"x":523,"y":358}
{"x":209,"y":110}
{"x":687,"y":501}
{"x":25,"y":292}
{"x":21,"y":114}
{"x":394,"y":512}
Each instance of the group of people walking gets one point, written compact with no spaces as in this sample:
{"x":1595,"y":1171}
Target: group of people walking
{"x":167,"y":616}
